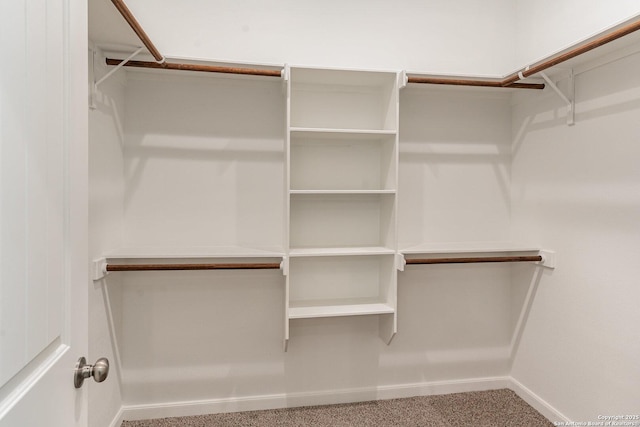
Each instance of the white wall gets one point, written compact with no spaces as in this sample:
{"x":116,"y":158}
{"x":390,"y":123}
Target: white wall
{"x":454,"y":166}
{"x":576,"y":190}
{"x":106,"y":195}
{"x":203,"y":161}
{"x":547,"y":26}
{"x":464,"y":37}
{"x":191,"y":145}
{"x":469,"y":36}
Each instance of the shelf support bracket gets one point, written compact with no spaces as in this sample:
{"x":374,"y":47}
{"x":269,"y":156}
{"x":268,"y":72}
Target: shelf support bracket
{"x":284,"y":266}
{"x":94,"y":87}
{"x":569,"y":100}
{"x":400,"y":262}
{"x":402,"y":79}
{"x":548,"y":259}
{"x":99,"y":269}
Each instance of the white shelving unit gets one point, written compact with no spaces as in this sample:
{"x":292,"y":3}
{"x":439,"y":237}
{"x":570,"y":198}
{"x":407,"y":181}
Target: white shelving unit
{"x":337,"y":243}
{"x":342,"y":174}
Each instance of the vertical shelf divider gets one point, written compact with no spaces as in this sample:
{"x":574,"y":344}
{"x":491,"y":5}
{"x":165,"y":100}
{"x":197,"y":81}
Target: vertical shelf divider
{"x":287,"y":202}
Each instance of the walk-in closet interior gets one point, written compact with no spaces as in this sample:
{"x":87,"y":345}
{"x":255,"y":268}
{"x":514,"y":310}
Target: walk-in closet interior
{"x":363,"y":200}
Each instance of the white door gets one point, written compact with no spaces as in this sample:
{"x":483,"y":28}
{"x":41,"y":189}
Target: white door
{"x":43,"y":212}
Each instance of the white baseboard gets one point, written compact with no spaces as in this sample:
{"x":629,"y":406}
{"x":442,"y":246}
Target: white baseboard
{"x":118,"y":419}
{"x":274,"y":401}
{"x":253,"y":403}
{"x":537,"y":403}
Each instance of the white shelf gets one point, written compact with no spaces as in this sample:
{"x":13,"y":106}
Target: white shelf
{"x":194,"y":252}
{"x":307,"y":312}
{"x":342,"y":192}
{"x":348,"y":134}
{"x":341,"y":77}
{"x":467,"y":248}
{"x":341,"y":251}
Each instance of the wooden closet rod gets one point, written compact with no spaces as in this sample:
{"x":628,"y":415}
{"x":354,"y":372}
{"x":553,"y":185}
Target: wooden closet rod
{"x":532,"y":258}
{"x":198,"y":67}
{"x":185,"y":267}
{"x":472,"y":82}
{"x":510,"y":81}
{"x":137,"y":28}
{"x":578,"y":50}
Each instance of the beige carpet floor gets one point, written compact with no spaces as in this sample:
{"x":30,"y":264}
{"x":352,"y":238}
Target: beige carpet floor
{"x":493,"y":408}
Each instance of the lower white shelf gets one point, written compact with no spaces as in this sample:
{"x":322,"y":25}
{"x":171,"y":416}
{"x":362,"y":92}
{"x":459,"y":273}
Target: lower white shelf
{"x":339,"y":251}
{"x":336,"y":310}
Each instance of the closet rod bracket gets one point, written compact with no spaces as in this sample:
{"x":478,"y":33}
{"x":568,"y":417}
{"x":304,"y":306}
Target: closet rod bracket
{"x":548,"y":259}
{"x":99,"y":269}
{"x":567,"y":99}
{"x":403,"y":79}
{"x":94,"y":87}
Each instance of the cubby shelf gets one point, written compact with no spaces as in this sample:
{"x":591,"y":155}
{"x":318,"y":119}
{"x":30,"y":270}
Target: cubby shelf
{"x":339,"y":309}
{"x":342,"y":219}
{"x":343,"y":160}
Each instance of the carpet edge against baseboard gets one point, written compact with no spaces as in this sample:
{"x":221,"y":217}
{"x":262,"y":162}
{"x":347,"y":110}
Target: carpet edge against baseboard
{"x":252,"y":403}
{"x":118,"y":418}
{"x":536,"y":402}
{"x":275,"y":401}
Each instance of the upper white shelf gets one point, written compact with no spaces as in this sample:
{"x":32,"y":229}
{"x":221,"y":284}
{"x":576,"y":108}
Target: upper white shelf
{"x":152,"y":252}
{"x":467,"y":248}
{"x":341,"y":77}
